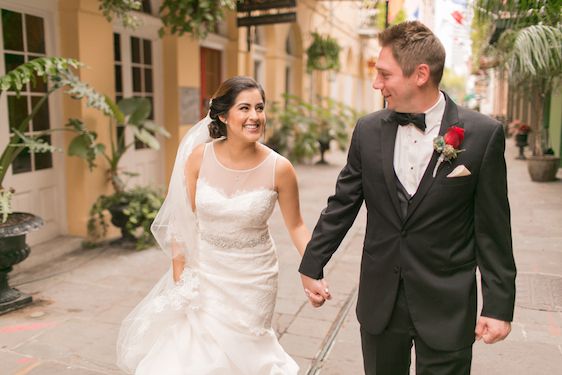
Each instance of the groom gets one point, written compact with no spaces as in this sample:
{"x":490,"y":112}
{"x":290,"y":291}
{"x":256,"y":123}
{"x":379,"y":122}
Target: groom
{"x":433,"y":178}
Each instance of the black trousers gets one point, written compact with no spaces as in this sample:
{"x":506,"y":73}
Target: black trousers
{"x":389,"y":353}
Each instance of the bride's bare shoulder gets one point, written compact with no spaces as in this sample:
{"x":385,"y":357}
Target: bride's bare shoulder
{"x":283,"y":167}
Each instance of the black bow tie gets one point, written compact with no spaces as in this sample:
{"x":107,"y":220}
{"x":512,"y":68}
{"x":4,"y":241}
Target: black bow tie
{"x":403,"y":119}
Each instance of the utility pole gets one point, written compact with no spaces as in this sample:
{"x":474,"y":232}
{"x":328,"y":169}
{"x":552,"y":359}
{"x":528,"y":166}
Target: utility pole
{"x":386,"y":14}
{"x":385,"y":27}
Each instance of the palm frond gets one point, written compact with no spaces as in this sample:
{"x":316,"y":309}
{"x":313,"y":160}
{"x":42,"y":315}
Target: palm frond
{"x":536,"y":53}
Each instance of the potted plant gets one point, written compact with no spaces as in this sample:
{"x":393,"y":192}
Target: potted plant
{"x":130,"y":209}
{"x":331,"y":122}
{"x":277,"y":131}
{"x":521,"y":133}
{"x":14,"y":226}
{"x":535,"y":63}
{"x":290,"y":134}
{"x":304,"y":130}
{"x":133,"y":211}
{"x":530,"y":49}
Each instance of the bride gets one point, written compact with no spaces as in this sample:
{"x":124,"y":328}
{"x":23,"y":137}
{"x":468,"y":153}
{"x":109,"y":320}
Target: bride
{"x":211,"y":313}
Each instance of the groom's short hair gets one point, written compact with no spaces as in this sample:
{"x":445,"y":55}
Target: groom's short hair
{"x":412,"y":44}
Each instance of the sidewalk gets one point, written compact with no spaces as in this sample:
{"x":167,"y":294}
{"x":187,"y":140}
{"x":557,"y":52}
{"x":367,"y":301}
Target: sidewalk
{"x":81,"y":298}
{"x":535,"y":343}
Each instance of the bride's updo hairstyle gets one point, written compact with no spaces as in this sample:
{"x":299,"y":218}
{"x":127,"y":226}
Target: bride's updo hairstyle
{"x":224,"y":99}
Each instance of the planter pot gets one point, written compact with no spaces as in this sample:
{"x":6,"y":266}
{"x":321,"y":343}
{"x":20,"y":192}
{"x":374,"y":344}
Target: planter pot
{"x":543,"y":168}
{"x":323,"y":146}
{"x":521,"y":140}
{"x":119,"y":219}
{"x":14,"y":250}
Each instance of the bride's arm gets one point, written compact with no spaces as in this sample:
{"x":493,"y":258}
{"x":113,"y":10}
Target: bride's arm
{"x":288,"y":190}
{"x":191,"y":172}
{"x":178,"y":261}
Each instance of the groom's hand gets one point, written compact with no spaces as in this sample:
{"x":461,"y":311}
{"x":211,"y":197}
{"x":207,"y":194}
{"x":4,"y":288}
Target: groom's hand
{"x":316,"y":290}
{"x":491,"y":330}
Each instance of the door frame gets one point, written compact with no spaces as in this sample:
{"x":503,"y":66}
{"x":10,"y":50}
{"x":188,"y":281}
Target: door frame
{"x":48,"y":10}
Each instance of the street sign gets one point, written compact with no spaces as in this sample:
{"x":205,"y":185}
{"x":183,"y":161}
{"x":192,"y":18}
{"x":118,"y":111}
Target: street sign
{"x":267,"y":19}
{"x":250,"y":5}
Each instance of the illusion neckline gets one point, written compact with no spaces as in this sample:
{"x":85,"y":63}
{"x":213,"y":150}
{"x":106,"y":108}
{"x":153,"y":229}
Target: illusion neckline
{"x":237,"y":194}
{"x":238,"y":170}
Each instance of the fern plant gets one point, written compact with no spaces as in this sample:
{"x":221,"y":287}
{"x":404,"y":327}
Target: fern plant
{"x":323,"y":53}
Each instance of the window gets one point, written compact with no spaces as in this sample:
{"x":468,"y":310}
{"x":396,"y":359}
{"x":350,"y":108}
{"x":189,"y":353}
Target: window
{"x":259,"y":72}
{"x":290,"y":45}
{"x":259,"y":55}
{"x":290,"y":52}
{"x":24,"y":40}
{"x":118,"y":67}
{"x":259,"y":38}
{"x":141,"y":71}
{"x":288,"y":83}
{"x":146,"y":7}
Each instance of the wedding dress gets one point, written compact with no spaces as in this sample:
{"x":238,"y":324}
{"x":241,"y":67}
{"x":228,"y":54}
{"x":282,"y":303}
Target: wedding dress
{"x":217,"y":319}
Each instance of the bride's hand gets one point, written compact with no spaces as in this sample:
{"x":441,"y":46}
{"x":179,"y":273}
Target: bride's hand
{"x":316,"y":290}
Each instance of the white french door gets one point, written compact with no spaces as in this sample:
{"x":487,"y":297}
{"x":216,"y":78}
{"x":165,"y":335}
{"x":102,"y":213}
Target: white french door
{"x":27,"y":32}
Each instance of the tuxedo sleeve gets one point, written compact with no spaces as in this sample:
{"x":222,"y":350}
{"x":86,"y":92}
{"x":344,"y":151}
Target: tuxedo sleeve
{"x":493,"y":233}
{"x":339,"y":214}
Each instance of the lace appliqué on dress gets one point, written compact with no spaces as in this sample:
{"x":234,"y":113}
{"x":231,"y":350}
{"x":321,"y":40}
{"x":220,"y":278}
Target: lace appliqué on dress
{"x":182,"y":295}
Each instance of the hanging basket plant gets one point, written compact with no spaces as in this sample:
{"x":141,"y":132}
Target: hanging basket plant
{"x":323,"y":53}
{"x":196,"y":17}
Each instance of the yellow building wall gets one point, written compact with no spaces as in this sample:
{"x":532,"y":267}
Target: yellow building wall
{"x":171,"y":67}
{"x":85,"y":35}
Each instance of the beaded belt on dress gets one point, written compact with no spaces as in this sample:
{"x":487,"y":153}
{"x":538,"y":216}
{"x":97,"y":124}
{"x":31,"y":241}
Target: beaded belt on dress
{"x":240,"y":242}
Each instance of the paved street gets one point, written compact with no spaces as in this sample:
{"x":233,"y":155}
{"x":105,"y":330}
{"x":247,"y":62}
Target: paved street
{"x":535,"y":343}
{"x":81,"y":297}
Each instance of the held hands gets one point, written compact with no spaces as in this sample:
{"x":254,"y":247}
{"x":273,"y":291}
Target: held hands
{"x":491,"y":330}
{"x":316,"y":290}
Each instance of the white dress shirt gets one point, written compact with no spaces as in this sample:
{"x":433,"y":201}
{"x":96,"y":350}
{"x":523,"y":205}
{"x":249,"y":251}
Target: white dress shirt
{"x":413,"y":147}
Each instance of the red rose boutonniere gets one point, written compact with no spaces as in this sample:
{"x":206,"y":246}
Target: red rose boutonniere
{"x":448,"y":145}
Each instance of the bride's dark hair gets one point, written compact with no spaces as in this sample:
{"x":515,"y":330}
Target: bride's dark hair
{"x":224,"y":98}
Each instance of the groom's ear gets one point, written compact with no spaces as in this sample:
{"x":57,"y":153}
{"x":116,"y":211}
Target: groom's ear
{"x":422,"y":74}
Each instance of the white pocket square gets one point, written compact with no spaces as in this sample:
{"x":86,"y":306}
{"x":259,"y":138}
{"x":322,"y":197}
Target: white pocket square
{"x":459,"y":171}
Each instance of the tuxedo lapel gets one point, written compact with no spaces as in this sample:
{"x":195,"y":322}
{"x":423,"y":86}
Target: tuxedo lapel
{"x":388,"y":140}
{"x":450,"y":118}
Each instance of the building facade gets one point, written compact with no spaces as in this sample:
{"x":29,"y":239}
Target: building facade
{"x":177,"y":74}
{"x":498,"y":99}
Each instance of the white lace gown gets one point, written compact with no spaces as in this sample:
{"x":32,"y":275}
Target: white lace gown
{"x":218,"y":320}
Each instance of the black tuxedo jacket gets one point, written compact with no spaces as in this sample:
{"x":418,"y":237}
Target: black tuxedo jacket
{"x":452,"y":226}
